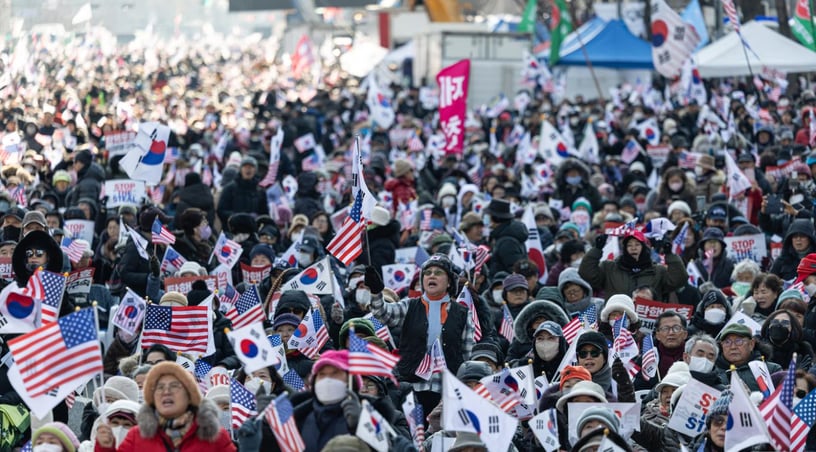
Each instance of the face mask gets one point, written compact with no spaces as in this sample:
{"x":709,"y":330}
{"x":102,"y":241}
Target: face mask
{"x":240,"y":237}
{"x":437,"y":224}
{"x":47,"y":448}
{"x":811,"y":289}
{"x":497,"y":295}
{"x":699,"y":171}
{"x":700,"y":364}
{"x":205,"y":232}
{"x":11,"y":233}
{"x":448,"y":202}
{"x":330,"y":391}
{"x":676,"y":186}
{"x":741,"y":288}
{"x":304,"y":259}
{"x":576,"y":263}
{"x":778,"y":334}
{"x":120,"y":431}
{"x":714,"y":316}
{"x":256,"y":383}
{"x":640,"y":206}
{"x":574,"y":180}
{"x":546,"y":349}
{"x":573,"y":122}
{"x":363,"y":297}
{"x":225,"y":419}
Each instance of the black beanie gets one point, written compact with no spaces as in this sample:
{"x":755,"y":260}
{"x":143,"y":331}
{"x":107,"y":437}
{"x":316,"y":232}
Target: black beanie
{"x":198,"y":293}
{"x":596,"y":339}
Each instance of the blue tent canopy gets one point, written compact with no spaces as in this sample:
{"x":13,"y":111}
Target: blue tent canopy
{"x":608,"y":44}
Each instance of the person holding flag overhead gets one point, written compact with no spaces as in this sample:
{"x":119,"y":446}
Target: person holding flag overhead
{"x":430,"y":317}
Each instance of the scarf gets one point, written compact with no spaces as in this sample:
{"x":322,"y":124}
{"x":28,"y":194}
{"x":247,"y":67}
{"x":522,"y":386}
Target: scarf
{"x":668,"y":357}
{"x":579,"y":306}
{"x":175,"y":429}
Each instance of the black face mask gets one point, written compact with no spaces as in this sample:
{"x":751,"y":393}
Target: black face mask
{"x":778,"y":334}
{"x":11,"y":233}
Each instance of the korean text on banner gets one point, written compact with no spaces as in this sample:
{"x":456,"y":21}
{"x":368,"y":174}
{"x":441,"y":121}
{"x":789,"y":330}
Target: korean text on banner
{"x":649,"y":310}
{"x":453,"y":93}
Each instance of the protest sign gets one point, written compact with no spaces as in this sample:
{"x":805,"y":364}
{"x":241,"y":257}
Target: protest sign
{"x":124,"y":191}
{"x":747,"y":247}
{"x":628,"y":413}
{"x":406,"y":255}
{"x":453,"y":95}
{"x":255,"y":275}
{"x":6,"y":271}
{"x":689,"y":414}
{"x":659,"y":154}
{"x":582,"y":220}
{"x":119,"y":143}
{"x":80,"y":229}
{"x":79,"y":282}
{"x":185,"y":284}
{"x":649,"y":310}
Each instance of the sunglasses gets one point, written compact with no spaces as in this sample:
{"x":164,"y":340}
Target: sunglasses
{"x":588,"y":353}
{"x":32,"y":253}
{"x":431,"y":272}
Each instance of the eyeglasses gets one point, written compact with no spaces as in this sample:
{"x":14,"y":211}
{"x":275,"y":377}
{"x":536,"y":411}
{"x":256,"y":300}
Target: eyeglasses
{"x":32,"y":253}
{"x":433,"y":272}
{"x":587,"y":353}
{"x":780,"y":322}
{"x":739,"y":342}
{"x":574,"y":291}
{"x":295,"y":311}
{"x":173,"y":387}
{"x":673,"y":329}
{"x":718,"y":421}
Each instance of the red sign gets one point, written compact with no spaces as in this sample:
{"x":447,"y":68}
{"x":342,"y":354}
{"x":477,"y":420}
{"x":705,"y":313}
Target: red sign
{"x":254,"y":275}
{"x":453,"y":92}
{"x":185,"y":284}
{"x":649,"y":310}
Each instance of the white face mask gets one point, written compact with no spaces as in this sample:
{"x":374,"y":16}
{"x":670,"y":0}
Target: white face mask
{"x":700,"y":364}
{"x":497,"y":295}
{"x":811,"y":289}
{"x":699,"y":171}
{"x":120,"y":431}
{"x":676,"y":186}
{"x":714,"y":316}
{"x":329,"y":391}
{"x":256,"y":383}
{"x":363,"y":297}
{"x":47,"y":448}
{"x":547,"y":350}
{"x":225,"y":419}
{"x":304,"y":259}
{"x":448,"y":202}
{"x":576,"y":263}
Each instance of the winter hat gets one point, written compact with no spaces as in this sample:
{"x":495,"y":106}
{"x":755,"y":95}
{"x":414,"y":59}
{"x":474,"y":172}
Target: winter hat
{"x":126,"y":409}
{"x":713,"y":297}
{"x":470,"y":371}
{"x":469,"y":220}
{"x":191,"y":267}
{"x":34,"y":216}
{"x":571,"y":247}
{"x":198,"y":293}
{"x":467,"y":440}
{"x":402,"y":167}
{"x":262,"y":249}
{"x":118,"y":388}
{"x":678,"y":375}
{"x":550,"y":293}
{"x":149,"y":215}
{"x":219,"y":393}
{"x":550,"y":327}
{"x":360,"y":325}
{"x":599,"y":413}
{"x":737,"y":329}
{"x":61,"y":176}
{"x":582,"y":202}
{"x":346,"y":443}
{"x":170,"y":368}
{"x":286,"y":319}
{"x":679,"y":205}
{"x":448,"y":189}
{"x":334,"y":358}
{"x":61,"y":431}
{"x":571,"y":276}
{"x":514,"y":281}
{"x":84,"y":157}
{"x":593,"y":338}
{"x":487,"y":350}
{"x":790,"y":294}
{"x":720,"y":406}
{"x":587,"y":388}
{"x":807,"y":267}
{"x":380,"y":216}
{"x":293,"y":299}
{"x":249,"y":160}
{"x":637,"y":166}
{"x":573,"y":372}
{"x":173,"y":298}
{"x":713,"y":234}
{"x":620,"y":302}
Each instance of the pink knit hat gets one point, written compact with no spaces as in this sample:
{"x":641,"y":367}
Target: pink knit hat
{"x":61,"y":431}
{"x":334,"y":358}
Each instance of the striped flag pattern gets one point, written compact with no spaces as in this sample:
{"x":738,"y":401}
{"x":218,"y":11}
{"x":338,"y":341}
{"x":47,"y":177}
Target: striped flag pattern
{"x":160,"y":235}
{"x":480,"y":257}
{"x":73,"y":248}
{"x":804,"y":416}
{"x":731,"y":11}
{"x":466,"y":299}
{"x":416,"y":419}
{"x":778,"y":409}
{"x":18,"y":194}
{"x":172,"y":260}
{"x":506,"y":327}
{"x":274,"y":159}
{"x":380,"y":330}
{"x":228,"y":298}
{"x":433,"y":362}
{"x":242,"y":404}
{"x":247,"y":310}
{"x":648,"y":362}
{"x":64,"y":352}
{"x":293,"y":380}
{"x":679,"y":242}
{"x":573,"y":329}
{"x":180,"y":328}
{"x":425,"y":223}
{"x":368,"y":359}
{"x":48,"y":287}
{"x":279,"y":414}
{"x":347,"y":245}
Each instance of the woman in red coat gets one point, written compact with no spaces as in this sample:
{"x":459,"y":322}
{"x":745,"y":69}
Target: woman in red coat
{"x":174,"y":417}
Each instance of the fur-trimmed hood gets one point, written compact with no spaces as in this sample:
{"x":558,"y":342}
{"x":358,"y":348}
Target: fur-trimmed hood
{"x":568,"y":164}
{"x":538,"y":308}
{"x":206,"y":418}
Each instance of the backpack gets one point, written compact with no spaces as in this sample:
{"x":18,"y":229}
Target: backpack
{"x":14,"y":422}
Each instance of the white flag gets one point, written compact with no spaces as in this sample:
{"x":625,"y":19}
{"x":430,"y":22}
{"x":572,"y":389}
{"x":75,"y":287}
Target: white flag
{"x":589,"y":149}
{"x":373,"y":428}
{"x":745,"y":427}
{"x":252,"y":347}
{"x":315,"y":279}
{"x":466,"y":411}
{"x":518,"y":381}
{"x":145,"y":161}
{"x":130,"y":312}
{"x":19,"y":312}
{"x":398,"y":276}
{"x":552,"y":146}
{"x":742,"y":319}
{"x":545,"y":429}
{"x":379,"y":104}
{"x":737,"y":182}
{"x":672,"y":39}
{"x":140,"y":242}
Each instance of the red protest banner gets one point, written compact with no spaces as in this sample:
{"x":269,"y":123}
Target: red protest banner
{"x":649,"y":310}
{"x":453,"y":93}
{"x":254,"y":275}
{"x":185,"y":284}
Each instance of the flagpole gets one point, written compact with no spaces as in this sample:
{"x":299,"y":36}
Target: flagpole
{"x":589,"y":66}
{"x":365,"y":232}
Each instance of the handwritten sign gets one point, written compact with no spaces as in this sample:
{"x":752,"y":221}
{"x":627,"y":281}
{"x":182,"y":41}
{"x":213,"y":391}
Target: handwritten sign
{"x":649,"y":310}
{"x":255,"y":275}
{"x":124,"y":191}
{"x":692,"y":407}
{"x":184,"y":284}
{"x":79,"y":282}
{"x":80,"y":229}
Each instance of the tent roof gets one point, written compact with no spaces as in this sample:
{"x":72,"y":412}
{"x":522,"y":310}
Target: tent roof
{"x":608,"y":44}
{"x":726,"y":57}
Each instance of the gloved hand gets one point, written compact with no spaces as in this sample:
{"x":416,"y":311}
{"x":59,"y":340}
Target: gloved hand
{"x":154,"y":265}
{"x":249,"y":435}
{"x":351,"y":410}
{"x":337,"y":315}
{"x":619,"y":372}
{"x":373,"y":280}
{"x":600,"y":241}
{"x":666,"y":247}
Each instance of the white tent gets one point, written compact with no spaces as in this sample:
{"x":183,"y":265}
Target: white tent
{"x":767,"y":48}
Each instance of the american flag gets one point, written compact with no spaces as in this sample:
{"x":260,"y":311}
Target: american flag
{"x":160,"y":235}
{"x":425,"y":223}
{"x":18,"y":194}
{"x":708,"y":262}
{"x":321,"y":334}
{"x":27,"y":447}
{"x":590,"y":316}
{"x":73,"y":248}
{"x":466,"y":300}
{"x":482,"y":390}
{"x":625,"y":228}
{"x":368,"y":359}
{"x":778,"y":409}
{"x":180,"y":328}
{"x":157,"y":194}
{"x":274,"y":159}
{"x":648,"y":362}
{"x":380,"y":330}
{"x":347,"y":245}
{"x":64,"y":352}
{"x":433,"y":362}
{"x":679,"y":242}
{"x":688,"y":159}
{"x":506,"y":328}
{"x":242,"y":404}
{"x":573,"y":329}
{"x":172,"y":260}
{"x":200,"y":370}
{"x":480,"y":257}
{"x":228,"y":298}
{"x":293,"y":380}
{"x":70,"y":400}
{"x":625,"y":346}
{"x":804,"y":416}
{"x":48,"y":287}
{"x":280,"y":416}
{"x":631,"y":151}
{"x":731,"y":12}
{"x":415,"y":143}
{"x":417,"y":418}
{"x":247,"y":310}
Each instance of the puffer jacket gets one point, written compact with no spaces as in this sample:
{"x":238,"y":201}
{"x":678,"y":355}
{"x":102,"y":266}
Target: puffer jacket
{"x":205,"y":434}
{"x":402,"y":191}
{"x":721,"y":273}
{"x":507,"y":243}
{"x":654,"y":433}
{"x":307,"y":198}
{"x":612,"y":278}
{"x":242,"y":196}
{"x":197,"y":195}
{"x":785,"y":265}
{"x":383,"y":242}
{"x":89,"y":185}
{"x":568,"y":193}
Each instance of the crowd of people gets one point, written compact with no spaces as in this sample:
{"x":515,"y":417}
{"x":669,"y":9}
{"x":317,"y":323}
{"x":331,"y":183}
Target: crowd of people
{"x":615,"y":229}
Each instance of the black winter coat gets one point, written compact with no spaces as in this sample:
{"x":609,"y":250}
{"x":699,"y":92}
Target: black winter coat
{"x":721,"y":275}
{"x":197,"y":195}
{"x":785,"y":265}
{"x":89,"y":185}
{"x":242,"y":196}
{"x":383,"y":242}
{"x":507,"y":243}
{"x":133,"y":269}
